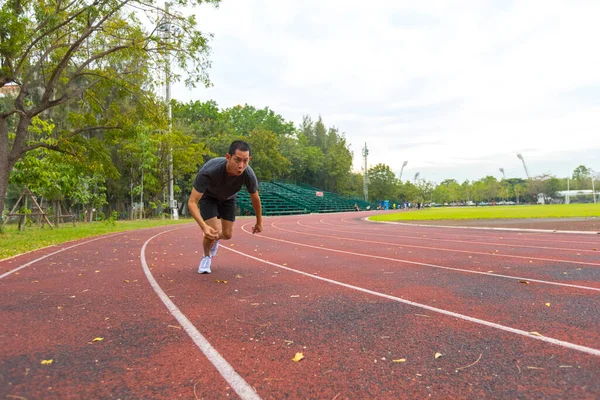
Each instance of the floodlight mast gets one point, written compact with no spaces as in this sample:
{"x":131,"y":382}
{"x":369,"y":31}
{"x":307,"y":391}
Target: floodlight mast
{"x":520,"y":157}
{"x":402,"y":169}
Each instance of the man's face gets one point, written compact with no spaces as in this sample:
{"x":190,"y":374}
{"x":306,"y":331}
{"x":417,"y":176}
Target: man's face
{"x":237,"y":163}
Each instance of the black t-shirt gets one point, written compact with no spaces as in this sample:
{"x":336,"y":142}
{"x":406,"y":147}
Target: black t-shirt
{"x":213,"y":180}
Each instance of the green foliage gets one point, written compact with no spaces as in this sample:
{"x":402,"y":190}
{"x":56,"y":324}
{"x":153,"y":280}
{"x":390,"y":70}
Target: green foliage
{"x":533,"y":211}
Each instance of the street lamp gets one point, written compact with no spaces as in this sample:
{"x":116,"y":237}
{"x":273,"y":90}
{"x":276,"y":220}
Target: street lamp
{"x":402,"y":169}
{"x":503,"y":174}
{"x":416,"y":176}
{"x":167,"y":30}
{"x":520,"y":157}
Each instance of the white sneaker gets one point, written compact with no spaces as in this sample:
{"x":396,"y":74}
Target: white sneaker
{"x":214,"y":248}
{"x":204,"y":267}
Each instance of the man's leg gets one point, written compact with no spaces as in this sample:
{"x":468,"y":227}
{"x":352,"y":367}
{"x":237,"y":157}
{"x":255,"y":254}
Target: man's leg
{"x":206,"y":242}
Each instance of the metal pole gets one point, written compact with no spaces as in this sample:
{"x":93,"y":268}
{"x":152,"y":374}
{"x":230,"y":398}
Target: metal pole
{"x":366,"y":175}
{"x":402,"y":169}
{"x":167,"y":29}
{"x":593,"y":189}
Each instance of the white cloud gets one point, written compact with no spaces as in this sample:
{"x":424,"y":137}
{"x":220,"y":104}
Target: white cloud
{"x":456,"y":88}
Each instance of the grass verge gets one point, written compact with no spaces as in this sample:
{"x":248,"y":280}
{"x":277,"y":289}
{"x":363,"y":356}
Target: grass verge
{"x":488,"y":212}
{"x":13,"y":242}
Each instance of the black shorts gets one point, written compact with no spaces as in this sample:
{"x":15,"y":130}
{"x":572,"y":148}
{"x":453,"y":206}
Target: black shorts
{"x":211,"y":207}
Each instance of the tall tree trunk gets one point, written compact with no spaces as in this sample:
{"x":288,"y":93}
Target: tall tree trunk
{"x":4,"y":163}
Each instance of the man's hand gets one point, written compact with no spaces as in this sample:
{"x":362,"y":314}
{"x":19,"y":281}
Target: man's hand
{"x":210,"y":233}
{"x":257,"y":228}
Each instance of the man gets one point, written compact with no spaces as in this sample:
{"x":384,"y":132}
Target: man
{"x":216,"y":187}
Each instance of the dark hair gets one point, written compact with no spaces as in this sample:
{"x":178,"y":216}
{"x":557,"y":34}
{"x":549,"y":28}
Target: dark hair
{"x":238,"y":145}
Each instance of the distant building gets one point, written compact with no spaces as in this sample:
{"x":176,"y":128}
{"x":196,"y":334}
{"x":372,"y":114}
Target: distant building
{"x":11,"y":89}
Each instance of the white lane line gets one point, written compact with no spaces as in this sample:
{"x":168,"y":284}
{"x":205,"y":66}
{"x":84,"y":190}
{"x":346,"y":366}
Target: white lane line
{"x":418,"y":263}
{"x":583,"y":349}
{"x":441,"y":248}
{"x":237,"y":383}
{"x":519,"y":235}
{"x":426,"y":237}
{"x":4,"y":275}
{"x":489,"y":228}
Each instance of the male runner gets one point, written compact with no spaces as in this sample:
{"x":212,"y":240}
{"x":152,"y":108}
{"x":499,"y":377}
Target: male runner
{"x":216,"y":187}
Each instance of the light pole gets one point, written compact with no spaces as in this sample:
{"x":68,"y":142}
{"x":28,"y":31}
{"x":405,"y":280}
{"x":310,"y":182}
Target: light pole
{"x":366,"y":175}
{"x":167,"y":29}
{"x":503,"y":174}
{"x":402,"y":169}
{"x":520,"y":157}
{"x":416,"y":177}
{"x":593,"y":189}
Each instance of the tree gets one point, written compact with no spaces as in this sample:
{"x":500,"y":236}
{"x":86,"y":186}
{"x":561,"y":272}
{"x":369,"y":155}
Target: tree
{"x":581,"y":175}
{"x":382,"y":183}
{"x":68,"y":57}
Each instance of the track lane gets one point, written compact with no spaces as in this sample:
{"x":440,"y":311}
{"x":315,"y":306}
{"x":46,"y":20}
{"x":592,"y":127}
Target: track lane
{"x":250,"y":318}
{"x":344,"y":332}
{"x":57,"y":306}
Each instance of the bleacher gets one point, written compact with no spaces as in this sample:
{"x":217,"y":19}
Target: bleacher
{"x":279,"y":198}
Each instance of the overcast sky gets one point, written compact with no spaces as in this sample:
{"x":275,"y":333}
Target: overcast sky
{"x":456,"y":88}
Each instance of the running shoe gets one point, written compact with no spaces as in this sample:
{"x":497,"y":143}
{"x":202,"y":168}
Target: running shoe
{"x":204,"y":267}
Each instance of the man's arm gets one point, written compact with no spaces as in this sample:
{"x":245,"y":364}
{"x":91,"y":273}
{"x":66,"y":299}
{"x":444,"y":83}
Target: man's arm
{"x":256,"y":204}
{"x":195,"y":197}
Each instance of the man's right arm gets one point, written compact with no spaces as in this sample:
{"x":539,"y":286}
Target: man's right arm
{"x":195,"y":197}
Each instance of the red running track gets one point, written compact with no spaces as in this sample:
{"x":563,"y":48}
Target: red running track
{"x":513,"y":314}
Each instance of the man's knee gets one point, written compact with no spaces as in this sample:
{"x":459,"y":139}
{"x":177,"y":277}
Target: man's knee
{"x":227,"y":235}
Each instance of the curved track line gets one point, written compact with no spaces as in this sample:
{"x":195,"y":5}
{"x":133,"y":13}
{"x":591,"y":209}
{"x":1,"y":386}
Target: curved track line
{"x":237,"y":383}
{"x":583,"y":349}
{"x":469,"y":236}
{"x":459,"y":241}
{"x":489,"y":228}
{"x":416,"y":262}
{"x":4,"y":275}
{"x":441,"y":249}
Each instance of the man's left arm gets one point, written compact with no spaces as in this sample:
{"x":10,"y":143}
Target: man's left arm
{"x":256,"y":204}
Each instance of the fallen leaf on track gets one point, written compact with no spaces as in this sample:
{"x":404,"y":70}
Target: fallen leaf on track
{"x":438,"y":355}
{"x":46,"y":362}
{"x":547,"y":304}
{"x":528,"y":367}
{"x":298,"y":357}
{"x":524,"y":282}
{"x":535,"y":334}
{"x":295,"y":295}
{"x":400,"y":360}
{"x":238,"y":276}
{"x":98,"y":339}
{"x":220,"y":281}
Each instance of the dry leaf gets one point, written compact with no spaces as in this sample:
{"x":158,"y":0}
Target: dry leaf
{"x":238,"y":276}
{"x":46,"y":362}
{"x":220,"y":281}
{"x":126,"y":280}
{"x":98,"y":339}
{"x":547,"y":304}
{"x":295,"y":295}
{"x":438,"y":355}
{"x":284,"y":264}
{"x":535,"y":334}
{"x":298,"y":357}
{"x":525,"y":282}
{"x":401,"y":360}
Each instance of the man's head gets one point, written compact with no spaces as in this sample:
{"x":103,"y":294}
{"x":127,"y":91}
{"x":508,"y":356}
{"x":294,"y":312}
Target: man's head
{"x":238,"y":157}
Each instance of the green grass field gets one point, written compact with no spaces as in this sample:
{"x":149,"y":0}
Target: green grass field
{"x":487,"y":212}
{"x":14,"y":242}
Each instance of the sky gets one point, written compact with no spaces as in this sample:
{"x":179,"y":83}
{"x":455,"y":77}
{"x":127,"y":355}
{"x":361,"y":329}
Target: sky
{"x":455,"y":88}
